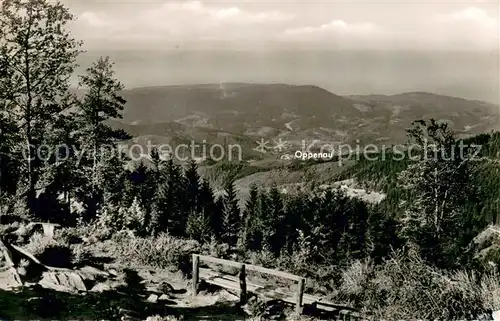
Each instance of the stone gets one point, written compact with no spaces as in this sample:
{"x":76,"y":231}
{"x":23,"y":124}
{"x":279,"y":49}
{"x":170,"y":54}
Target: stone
{"x":113,"y":272}
{"x":92,"y":270}
{"x":63,"y":281}
{"x":153,"y":298}
{"x":164,"y":297}
{"x":8,"y":280}
{"x":164,"y":287}
{"x":22,"y":271}
{"x":101,"y":287}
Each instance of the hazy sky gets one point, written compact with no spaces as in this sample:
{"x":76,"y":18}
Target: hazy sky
{"x":401,"y":24}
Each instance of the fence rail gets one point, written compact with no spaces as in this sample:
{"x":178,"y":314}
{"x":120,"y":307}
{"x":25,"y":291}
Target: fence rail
{"x":243,"y":288}
{"x":239,"y":283}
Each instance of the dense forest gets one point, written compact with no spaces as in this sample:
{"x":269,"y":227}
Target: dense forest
{"x":412,"y":255}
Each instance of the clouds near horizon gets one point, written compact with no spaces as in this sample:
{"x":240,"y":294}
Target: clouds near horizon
{"x":359,"y":25}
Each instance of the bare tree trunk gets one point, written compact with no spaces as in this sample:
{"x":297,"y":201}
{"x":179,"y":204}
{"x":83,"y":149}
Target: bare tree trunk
{"x":436,"y":200}
{"x":28,"y":117}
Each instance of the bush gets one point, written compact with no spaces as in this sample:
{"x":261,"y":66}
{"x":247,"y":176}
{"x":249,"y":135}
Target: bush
{"x":118,"y":218}
{"x":355,"y":279}
{"x":50,"y":251}
{"x":98,"y":233}
{"x":7,"y":228}
{"x":69,"y":235}
{"x":163,"y":251}
{"x":80,"y":254}
{"x":216,"y":249}
{"x":263,"y":258}
{"x":57,"y":255}
{"x":299,"y":261}
{"x":199,"y":228}
{"x":490,"y":291}
{"x":460,"y":296}
{"x":38,"y":243}
{"x":405,"y":287}
{"x":255,"y":307}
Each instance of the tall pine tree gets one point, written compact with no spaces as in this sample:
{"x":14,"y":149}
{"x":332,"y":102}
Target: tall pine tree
{"x":37,"y":58}
{"x":231,"y":216}
{"x":276,"y":219}
{"x":193,"y":197}
{"x":251,"y":220}
{"x":100,"y":103}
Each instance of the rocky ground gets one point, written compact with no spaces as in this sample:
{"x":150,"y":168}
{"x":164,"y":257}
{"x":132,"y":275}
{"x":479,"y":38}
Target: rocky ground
{"x":104,"y":290}
{"x":38,"y":285}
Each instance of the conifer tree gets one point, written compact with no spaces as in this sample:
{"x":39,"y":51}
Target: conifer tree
{"x":231,"y":216}
{"x":156,"y":160}
{"x":198,"y":227}
{"x":192,"y":189}
{"x":171,"y":200}
{"x":37,"y":58}
{"x":250,"y":219}
{"x":61,"y":178}
{"x":100,"y":103}
{"x":210,"y":209}
{"x":217,"y":218}
{"x":382,"y":234}
{"x":352,"y":244}
{"x":206,"y":199}
{"x":296,"y":207}
{"x":276,"y":219}
{"x":150,"y":199}
{"x":9,"y":163}
{"x":265,"y":222}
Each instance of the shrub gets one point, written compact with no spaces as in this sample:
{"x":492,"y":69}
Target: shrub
{"x":118,"y":218}
{"x":57,"y":255}
{"x":23,"y":233}
{"x":20,"y":209}
{"x":264,"y":258}
{"x":69,"y":235}
{"x":299,"y":261}
{"x":355,"y":279}
{"x":490,"y":291}
{"x":255,"y":307}
{"x":8,"y":228}
{"x":199,"y":228}
{"x":216,"y":249}
{"x":38,"y":243}
{"x":80,"y":254}
{"x":163,"y":251}
{"x":98,"y":233}
{"x":50,"y":251}
{"x":405,"y":287}
{"x":460,"y":295}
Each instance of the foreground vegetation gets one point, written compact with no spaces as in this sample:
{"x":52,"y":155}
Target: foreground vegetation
{"x":423,"y":252}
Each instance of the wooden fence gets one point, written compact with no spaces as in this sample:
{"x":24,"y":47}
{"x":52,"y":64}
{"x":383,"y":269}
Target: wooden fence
{"x":240,"y":284}
{"x":243,"y":268}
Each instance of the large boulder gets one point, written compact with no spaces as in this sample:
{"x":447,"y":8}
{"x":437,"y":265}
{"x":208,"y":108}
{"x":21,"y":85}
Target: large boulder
{"x":8,"y":280}
{"x":63,"y":281}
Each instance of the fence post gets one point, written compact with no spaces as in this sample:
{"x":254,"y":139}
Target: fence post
{"x":196,"y":270}
{"x":243,"y":285}
{"x":300,"y":293}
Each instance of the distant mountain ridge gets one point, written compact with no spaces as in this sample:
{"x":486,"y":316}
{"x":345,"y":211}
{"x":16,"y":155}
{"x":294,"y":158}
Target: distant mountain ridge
{"x":241,"y":112}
